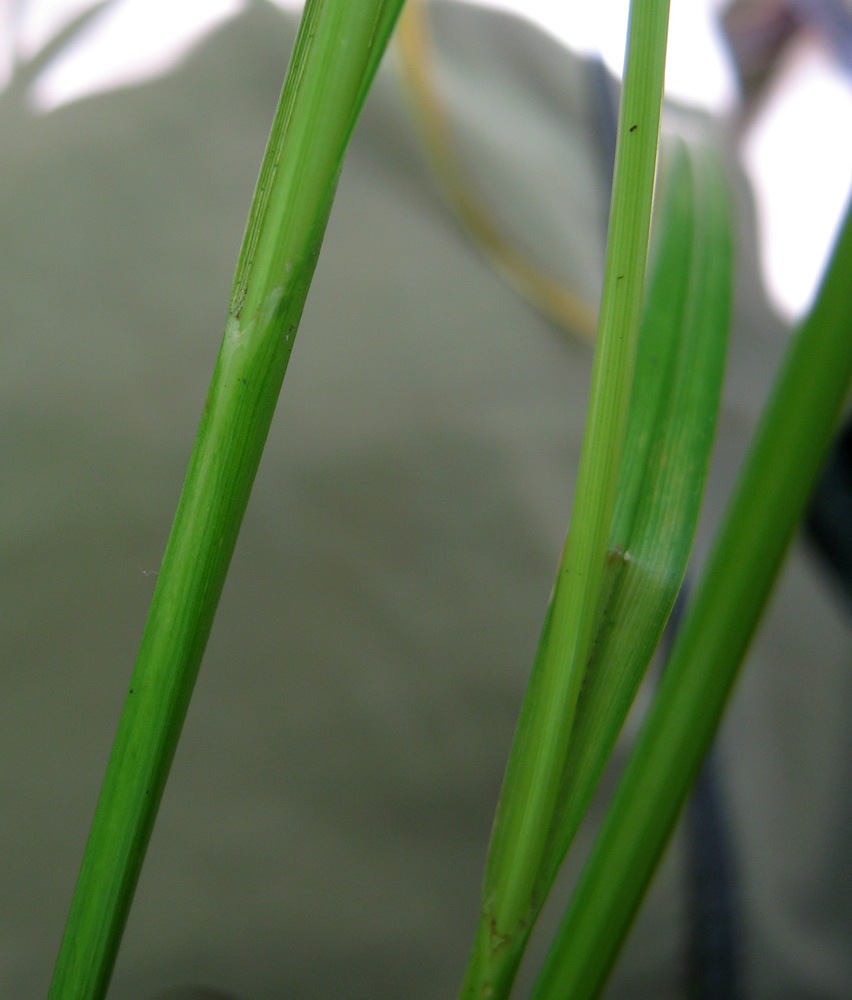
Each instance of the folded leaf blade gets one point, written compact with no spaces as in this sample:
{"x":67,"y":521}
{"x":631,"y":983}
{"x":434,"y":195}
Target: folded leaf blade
{"x":783,"y":462}
{"x":677,"y":390}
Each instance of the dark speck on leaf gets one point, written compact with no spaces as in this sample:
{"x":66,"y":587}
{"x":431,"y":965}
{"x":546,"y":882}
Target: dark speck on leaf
{"x":633,"y":128}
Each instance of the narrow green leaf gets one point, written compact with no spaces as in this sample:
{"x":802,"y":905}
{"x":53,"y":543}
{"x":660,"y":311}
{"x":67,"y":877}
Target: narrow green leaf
{"x":531,"y":785}
{"x":678,"y":382}
{"x":336,"y":53}
{"x":779,"y":473}
{"x":674,"y":406}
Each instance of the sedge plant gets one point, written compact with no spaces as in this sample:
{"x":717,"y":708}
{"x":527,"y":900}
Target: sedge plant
{"x":654,"y":397}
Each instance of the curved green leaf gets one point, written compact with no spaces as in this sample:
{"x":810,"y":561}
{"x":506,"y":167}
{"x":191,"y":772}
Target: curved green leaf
{"x":674,"y":410}
{"x":672,"y":419}
{"x":773,"y":489}
{"x":531,"y":785}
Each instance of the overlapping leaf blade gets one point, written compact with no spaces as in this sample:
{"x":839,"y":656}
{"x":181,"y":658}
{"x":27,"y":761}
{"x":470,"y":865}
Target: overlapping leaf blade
{"x":773,"y":489}
{"x":674,"y":409}
{"x":674,"y":406}
{"x":519,"y":840}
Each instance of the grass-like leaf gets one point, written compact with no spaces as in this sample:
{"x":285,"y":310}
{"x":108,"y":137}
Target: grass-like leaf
{"x":519,"y":842}
{"x":672,"y":421}
{"x":773,"y":489}
{"x":674,"y":409}
{"x":336,"y":53}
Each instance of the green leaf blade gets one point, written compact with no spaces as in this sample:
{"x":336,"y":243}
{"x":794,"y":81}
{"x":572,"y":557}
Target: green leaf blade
{"x":528,"y":800}
{"x":680,"y":369}
{"x":674,"y":407}
{"x":784,"y":461}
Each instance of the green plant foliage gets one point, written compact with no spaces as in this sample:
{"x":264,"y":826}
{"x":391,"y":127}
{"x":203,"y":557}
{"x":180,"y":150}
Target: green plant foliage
{"x":529,"y":798}
{"x":784,"y":460}
{"x":653,"y":405}
{"x":335,"y":56}
{"x":674,"y":407}
{"x":671,"y":424}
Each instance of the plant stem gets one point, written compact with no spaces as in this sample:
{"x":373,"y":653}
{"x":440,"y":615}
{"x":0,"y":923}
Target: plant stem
{"x":674,"y":408}
{"x":337,"y":51}
{"x":531,"y":786}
